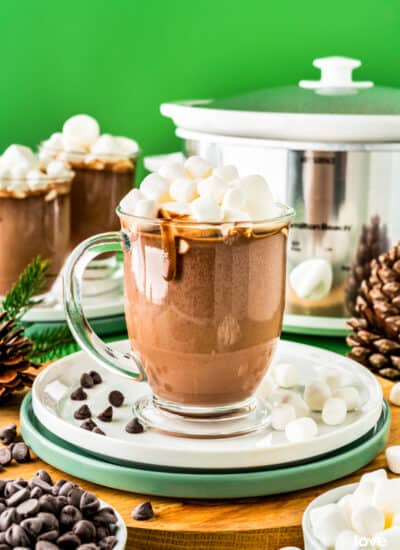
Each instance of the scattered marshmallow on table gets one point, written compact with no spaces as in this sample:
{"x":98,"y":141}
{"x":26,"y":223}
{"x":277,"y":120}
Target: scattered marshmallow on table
{"x":394,"y":396}
{"x":281,"y":415}
{"x":286,"y":375}
{"x":393,"y":458}
{"x":301,"y":429}
{"x":315,"y":395}
{"x":334,"y":411}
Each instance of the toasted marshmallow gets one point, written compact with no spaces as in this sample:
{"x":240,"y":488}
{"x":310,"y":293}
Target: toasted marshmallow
{"x":334,"y":411}
{"x":81,"y":131}
{"x":146,"y":208}
{"x":183,"y":190}
{"x":129,"y":202}
{"x":58,"y":169}
{"x":36,"y":180}
{"x":172,"y":171}
{"x":301,"y":429}
{"x":227,"y":173}
{"x":176,"y":207}
{"x":18,"y":185}
{"x":20,"y":169}
{"x":127,"y":145}
{"x":234,"y":199}
{"x":155,"y":187}
{"x":213,"y":186}
{"x":196,"y":167}
{"x":206,"y":209}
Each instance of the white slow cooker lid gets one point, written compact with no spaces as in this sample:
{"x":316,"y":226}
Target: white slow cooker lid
{"x":333,"y":109}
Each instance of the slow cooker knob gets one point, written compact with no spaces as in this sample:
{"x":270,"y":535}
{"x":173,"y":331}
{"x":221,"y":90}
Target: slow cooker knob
{"x":336,"y":74}
{"x":312,"y":279}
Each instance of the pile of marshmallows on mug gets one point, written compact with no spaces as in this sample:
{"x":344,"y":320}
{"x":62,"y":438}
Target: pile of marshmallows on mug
{"x":202,"y":193}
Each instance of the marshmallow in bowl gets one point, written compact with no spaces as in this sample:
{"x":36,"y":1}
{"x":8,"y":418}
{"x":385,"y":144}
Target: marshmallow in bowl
{"x":227,"y":173}
{"x":206,"y":209}
{"x":213,"y":186}
{"x":129,"y":202}
{"x":172,"y":171}
{"x":156,"y":188}
{"x":197,"y":168}
{"x":183,"y":189}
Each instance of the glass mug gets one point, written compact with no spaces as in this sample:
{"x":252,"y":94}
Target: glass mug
{"x":204,"y":304}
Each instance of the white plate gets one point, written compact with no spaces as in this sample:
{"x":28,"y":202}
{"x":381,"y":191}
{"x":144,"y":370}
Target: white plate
{"x":191,"y":115}
{"x":265,"y":448}
{"x":315,"y":325}
{"x":121,"y":532}
{"x":329,"y":497}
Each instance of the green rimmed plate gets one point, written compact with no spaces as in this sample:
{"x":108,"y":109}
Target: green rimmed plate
{"x":76,"y":462}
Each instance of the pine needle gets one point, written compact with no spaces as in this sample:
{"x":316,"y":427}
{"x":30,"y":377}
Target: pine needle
{"x":31,"y":281}
{"x":50,"y":343}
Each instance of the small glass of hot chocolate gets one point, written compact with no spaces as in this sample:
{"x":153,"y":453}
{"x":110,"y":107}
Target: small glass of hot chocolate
{"x":35,"y":214}
{"x":204,"y":275}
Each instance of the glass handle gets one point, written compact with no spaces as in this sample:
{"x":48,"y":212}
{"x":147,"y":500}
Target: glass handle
{"x":127,"y":364}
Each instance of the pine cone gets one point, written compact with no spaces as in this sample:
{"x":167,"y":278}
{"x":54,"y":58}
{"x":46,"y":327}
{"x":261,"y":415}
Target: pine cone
{"x":372,"y":242}
{"x":16,"y":370}
{"x":375,"y":340}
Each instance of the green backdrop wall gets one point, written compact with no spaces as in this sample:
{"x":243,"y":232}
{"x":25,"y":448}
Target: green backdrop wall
{"x":119,"y":59}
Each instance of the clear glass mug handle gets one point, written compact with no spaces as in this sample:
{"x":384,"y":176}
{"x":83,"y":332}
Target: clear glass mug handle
{"x":127,"y":364}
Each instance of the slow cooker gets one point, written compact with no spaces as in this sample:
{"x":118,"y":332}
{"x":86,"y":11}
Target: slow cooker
{"x":331,"y":149}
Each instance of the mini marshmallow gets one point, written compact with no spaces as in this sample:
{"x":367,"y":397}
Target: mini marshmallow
{"x":364,"y":494}
{"x":212,"y":186}
{"x":315,"y":395}
{"x":105,"y":145}
{"x":301,"y":429}
{"x":234,"y":198}
{"x":234,"y":215}
{"x":281,"y":415}
{"x":346,"y":507}
{"x":196,"y":167}
{"x":312,"y":279}
{"x":374,"y":477}
{"x":280,"y":397}
{"x":129,"y":202}
{"x":206,"y":209}
{"x":329,"y":524}
{"x":394,"y":396}
{"x":16,"y":154}
{"x":57,"y":169}
{"x":180,"y":208}
{"x":393,"y":458}
{"x":333,"y":377}
{"x":286,"y":375}
{"x":183,"y":190}
{"x":127,"y":145}
{"x":54,"y":142}
{"x":36,"y":180}
{"x":228,"y":173}
{"x":155,"y":187}
{"x":386,"y":496}
{"x":389,"y":539}
{"x":146,"y":208}
{"x":367,"y":520}
{"x":351,"y":396}
{"x":19,"y":170}
{"x":80,"y":131}
{"x":172,"y":171}
{"x":348,"y":540}
{"x":259,"y":202}
{"x":334,"y":411}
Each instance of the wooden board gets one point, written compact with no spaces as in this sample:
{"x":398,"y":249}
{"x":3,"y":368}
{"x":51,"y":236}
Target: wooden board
{"x":248,"y":524}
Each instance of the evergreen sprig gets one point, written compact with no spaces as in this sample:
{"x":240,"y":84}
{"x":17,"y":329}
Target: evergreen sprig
{"x":31,"y":281}
{"x":49,"y":343}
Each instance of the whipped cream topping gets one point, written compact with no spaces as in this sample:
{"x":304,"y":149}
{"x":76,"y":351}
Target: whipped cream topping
{"x":194,"y":190}
{"x":81,"y":141}
{"x":21,"y":172}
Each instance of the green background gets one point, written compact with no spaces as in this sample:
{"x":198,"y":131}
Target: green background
{"x":118,"y":60}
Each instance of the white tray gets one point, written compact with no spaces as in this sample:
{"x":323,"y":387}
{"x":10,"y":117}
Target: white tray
{"x":315,"y":325}
{"x":267,"y":448}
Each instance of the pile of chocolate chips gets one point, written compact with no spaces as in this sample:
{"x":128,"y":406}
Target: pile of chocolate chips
{"x":40,"y":515}
{"x":11,"y":450}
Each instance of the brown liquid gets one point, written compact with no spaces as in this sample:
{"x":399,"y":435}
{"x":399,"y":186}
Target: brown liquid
{"x":205,"y":322}
{"x":95,"y":196}
{"x":29,"y":227}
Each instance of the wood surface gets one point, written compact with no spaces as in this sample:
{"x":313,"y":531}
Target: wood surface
{"x":247,"y":524}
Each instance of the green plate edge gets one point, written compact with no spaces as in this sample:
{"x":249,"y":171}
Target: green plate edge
{"x":59,"y":454}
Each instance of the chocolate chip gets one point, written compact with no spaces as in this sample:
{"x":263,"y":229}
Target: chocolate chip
{"x":7,"y":518}
{"x":36,"y":492}
{"x":8,"y":434}
{"x":45,"y":545}
{"x":102,"y":532}
{"x":50,"y":522}
{"x":18,"y":497}
{"x":88,"y":425}
{"x":69,"y":515}
{"x":85,"y":530}
{"x":49,"y":536}
{"x":82,"y":413}
{"x":66,"y":488}
{"x":32,"y":526}
{"x":74,"y":496}
{"x":97,"y":379}
{"x":48,"y":503}
{"x":89,"y":503}
{"x":4,"y":546}
{"x":57,"y":486}
{"x":11,"y":488}
{"x":42,"y":484}
{"x":105,"y":515}
{"x":20,"y":453}
{"x":5,"y":456}
{"x":78,"y":395}
{"x":106,"y":415}
{"x":22,"y":548}
{"x":108,"y":543}
{"x":28,"y":508}
{"x":143,"y":511}
{"x":98,"y":430}
{"x":86,"y":381}
{"x":45,"y":476}
{"x":88,"y":546}
{"x":68,"y":541}
{"x":134,"y":427}
{"x":16,"y":536}
{"x":61,"y":501}
{"x":2,"y":507}
{"x":116,"y":398}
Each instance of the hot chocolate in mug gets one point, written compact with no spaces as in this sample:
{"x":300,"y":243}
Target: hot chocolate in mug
{"x":204,"y":305}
